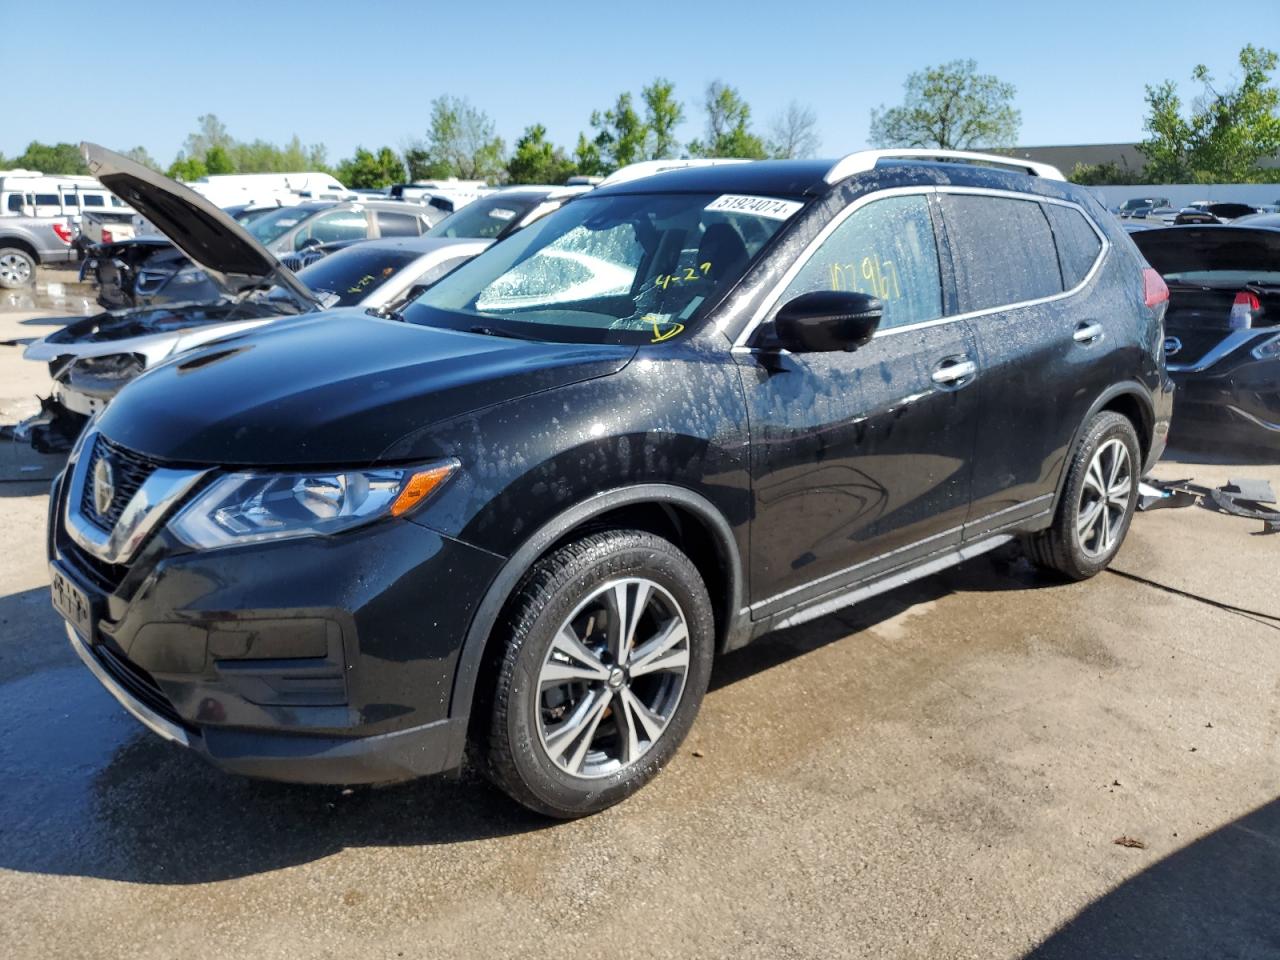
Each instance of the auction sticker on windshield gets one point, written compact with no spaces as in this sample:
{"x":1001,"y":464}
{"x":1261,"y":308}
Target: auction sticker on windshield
{"x":770,"y":207}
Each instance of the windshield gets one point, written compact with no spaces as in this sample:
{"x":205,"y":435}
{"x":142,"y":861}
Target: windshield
{"x":611,"y":269}
{"x":351,"y":275}
{"x":273,"y":224}
{"x":484,"y":219}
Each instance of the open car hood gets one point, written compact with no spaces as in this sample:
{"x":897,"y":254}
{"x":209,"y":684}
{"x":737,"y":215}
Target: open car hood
{"x":1210,"y":248}
{"x":229,"y":254}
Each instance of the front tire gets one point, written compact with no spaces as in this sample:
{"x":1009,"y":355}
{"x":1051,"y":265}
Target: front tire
{"x":1098,"y":501}
{"x":608,"y":655}
{"x":17,"y":268}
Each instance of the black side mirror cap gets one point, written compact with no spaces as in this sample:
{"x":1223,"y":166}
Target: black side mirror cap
{"x":826,"y":320}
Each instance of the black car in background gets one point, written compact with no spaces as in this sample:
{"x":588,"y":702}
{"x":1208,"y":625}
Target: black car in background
{"x":1222,"y":328}
{"x":677,"y":413}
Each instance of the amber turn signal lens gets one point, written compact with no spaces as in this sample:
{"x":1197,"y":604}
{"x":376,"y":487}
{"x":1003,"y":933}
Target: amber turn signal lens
{"x":420,"y":486}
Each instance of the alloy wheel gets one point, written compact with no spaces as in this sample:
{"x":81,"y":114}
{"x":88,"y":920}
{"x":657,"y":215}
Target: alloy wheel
{"x":1104,"y":498}
{"x":14,"y":270}
{"x":612,"y":678}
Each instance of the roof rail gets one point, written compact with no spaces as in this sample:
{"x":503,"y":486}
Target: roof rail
{"x":865,"y":160}
{"x":647,"y":168}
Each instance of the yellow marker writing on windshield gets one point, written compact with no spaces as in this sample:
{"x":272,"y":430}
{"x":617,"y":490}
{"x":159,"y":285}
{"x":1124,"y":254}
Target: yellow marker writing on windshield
{"x":658,"y":333}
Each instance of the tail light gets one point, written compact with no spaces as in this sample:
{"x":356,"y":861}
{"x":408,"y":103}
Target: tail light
{"x":63,"y":231}
{"x":1242,"y":311}
{"x":1154,"y":290}
{"x":106,"y":236}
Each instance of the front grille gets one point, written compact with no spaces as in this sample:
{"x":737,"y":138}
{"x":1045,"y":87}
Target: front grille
{"x":140,"y":684}
{"x":129,"y":471}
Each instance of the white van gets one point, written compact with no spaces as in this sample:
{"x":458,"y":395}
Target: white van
{"x":232,"y":189}
{"x":29,"y":193}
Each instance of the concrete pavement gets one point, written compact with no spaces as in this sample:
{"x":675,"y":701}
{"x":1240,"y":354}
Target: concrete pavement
{"x":941,"y":772}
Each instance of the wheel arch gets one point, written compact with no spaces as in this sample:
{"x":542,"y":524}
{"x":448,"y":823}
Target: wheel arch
{"x":699,"y":529}
{"x":21,"y":243}
{"x":1128,"y":398}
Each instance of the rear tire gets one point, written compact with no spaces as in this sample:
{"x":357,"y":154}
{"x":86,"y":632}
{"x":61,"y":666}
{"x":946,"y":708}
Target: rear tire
{"x":608,"y":653}
{"x":1098,"y":501}
{"x":17,"y":268}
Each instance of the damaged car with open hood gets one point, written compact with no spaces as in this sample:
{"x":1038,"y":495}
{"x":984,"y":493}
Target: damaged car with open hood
{"x":90,"y":359}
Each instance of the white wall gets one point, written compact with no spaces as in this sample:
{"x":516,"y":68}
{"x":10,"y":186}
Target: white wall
{"x":1181,"y":194}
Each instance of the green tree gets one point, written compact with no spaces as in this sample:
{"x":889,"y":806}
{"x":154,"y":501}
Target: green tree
{"x":728,"y":131}
{"x":217,"y":160}
{"x":663,"y":113}
{"x":537,"y":160}
{"x":186,"y":169}
{"x":587,"y":159}
{"x":53,"y":158}
{"x":140,"y":155}
{"x":793,"y":134}
{"x":369,"y":171}
{"x":952,"y":107}
{"x":620,"y":133}
{"x":460,"y":143}
{"x":1098,"y":174}
{"x":1227,"y":132}
{"x":212,"y":133}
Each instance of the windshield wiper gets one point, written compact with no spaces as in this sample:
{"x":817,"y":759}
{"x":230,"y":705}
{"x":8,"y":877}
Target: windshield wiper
{"x":495,"y":332}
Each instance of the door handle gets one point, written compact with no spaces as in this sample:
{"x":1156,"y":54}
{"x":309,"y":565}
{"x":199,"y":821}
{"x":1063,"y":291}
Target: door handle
{"x":1087,"y":333}
{"x":955,"y":372}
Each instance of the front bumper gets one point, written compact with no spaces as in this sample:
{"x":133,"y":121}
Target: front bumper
{"x":315,"y":660}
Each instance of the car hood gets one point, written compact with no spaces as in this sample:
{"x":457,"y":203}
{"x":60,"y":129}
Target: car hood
{"x":335,"y":388}
{"x":105,"y":333}
{"x":1223,"y":247}
{"x":227,"y":252}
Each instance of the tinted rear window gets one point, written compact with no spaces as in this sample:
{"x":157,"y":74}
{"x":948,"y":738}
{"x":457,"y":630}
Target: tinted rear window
{"x":398,"y":224}
{"x":1078,"y":243}
{"x":1002,"y":249}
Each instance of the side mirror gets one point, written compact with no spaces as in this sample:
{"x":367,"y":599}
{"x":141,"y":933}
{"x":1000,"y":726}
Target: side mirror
{"x":826,"y":320}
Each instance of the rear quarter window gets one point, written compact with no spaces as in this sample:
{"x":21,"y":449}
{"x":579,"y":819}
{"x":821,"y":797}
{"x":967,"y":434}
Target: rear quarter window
{"x":398,"y":224}
{"x":1078,"y":243}
{"x":1002,"y":249}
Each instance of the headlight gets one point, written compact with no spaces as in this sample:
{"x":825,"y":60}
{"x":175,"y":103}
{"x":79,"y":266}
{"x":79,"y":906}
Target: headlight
{"x":1267,"y":349}
{"x":190,"y":275}
{"x":253,"y":507}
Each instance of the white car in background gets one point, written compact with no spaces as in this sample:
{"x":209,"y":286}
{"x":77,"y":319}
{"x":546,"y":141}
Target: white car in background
{"x":90,"y":359}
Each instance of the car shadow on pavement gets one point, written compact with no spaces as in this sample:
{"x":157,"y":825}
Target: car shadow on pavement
{"x":1216,"y":897}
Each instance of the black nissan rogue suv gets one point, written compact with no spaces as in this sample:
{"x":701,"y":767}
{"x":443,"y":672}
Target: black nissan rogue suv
{"x":682,"y":411}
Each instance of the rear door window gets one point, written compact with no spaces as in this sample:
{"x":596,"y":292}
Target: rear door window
{"x":398,"y":224}
{"x":886,"y":249}
{"x":330,"y":227}
{"x":1002,"y":250}
{"x":1078,"y":243}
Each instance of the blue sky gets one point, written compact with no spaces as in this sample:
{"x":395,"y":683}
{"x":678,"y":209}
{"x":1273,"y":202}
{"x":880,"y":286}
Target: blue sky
{"x":365,"y":73}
